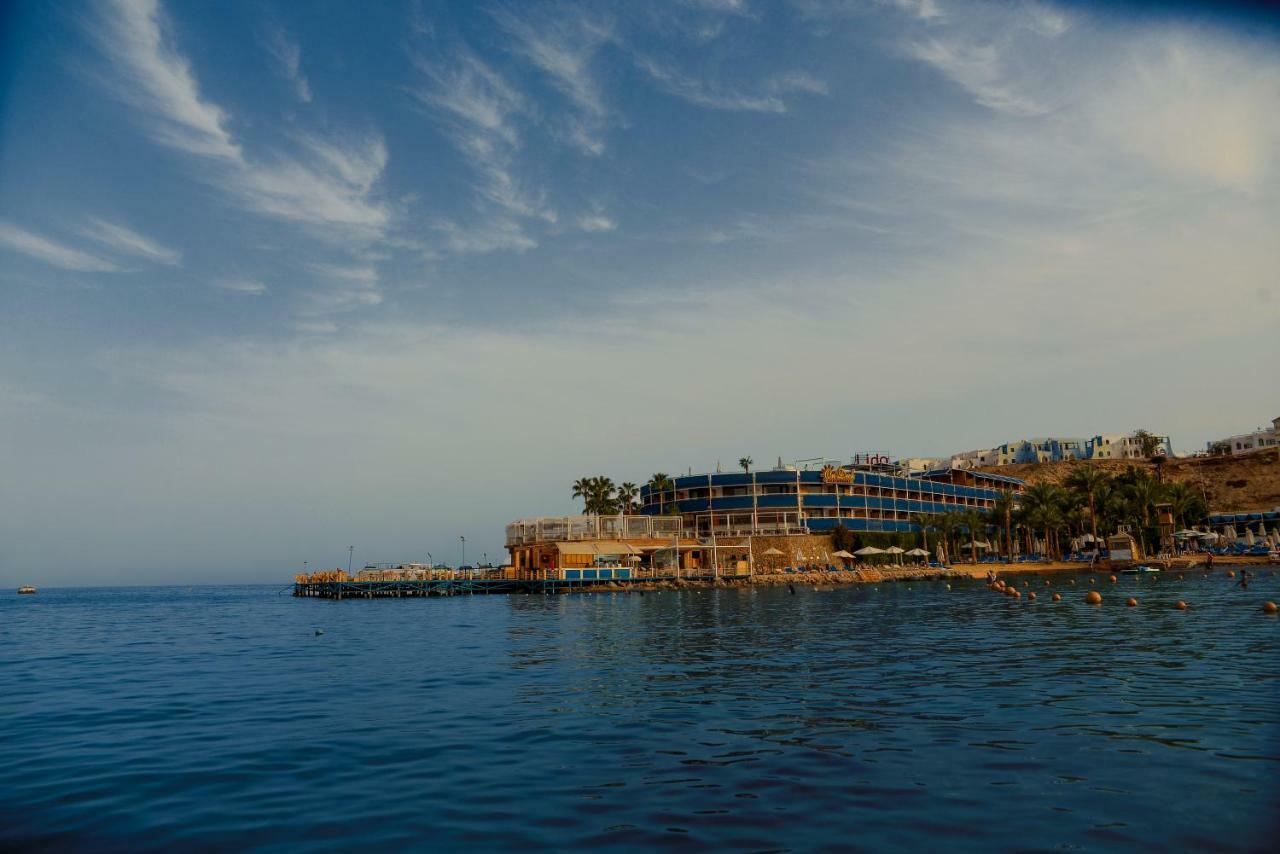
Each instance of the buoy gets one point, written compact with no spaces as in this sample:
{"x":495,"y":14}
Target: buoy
{"x":319,"y":631}
{"x":1268,"y":607}
{"x":1094,"y":598}
{"x":1046,"y":582}
{"x":1180,"y":605}
{"x":948,"y":586}
{"x":1057,"y":597}
{"x":1073,"y":582}
{"x":1017,"y":594}
{"x":1113,"y":579}
{"x":1031,"y":596}
{"x":1231,"y":573}
{"x":1131,"y":602}
{"x":1092,"y":579}
{"x":1025,"y":583}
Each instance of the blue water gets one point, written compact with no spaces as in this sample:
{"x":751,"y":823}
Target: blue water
{"x":903,"y":716}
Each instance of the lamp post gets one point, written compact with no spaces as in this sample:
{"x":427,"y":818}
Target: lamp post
{"x":351,"y":550}
{"x":464,"y":551}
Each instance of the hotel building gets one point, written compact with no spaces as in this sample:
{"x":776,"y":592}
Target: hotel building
{"x":876,"y":498}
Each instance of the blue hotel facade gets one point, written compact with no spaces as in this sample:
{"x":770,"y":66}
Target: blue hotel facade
{"x":791,"y":501}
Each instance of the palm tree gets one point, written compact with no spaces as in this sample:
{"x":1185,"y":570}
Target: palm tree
{"x":659,"y":484}
{"x":1002,"y":515}
{"x":582,"y":489}
{"x":946,"y":523}
{"x":974,"y":521}
{"x":627,"y":494}
{"x":745,"y":463}
{"x":925,"y":521}
{"x":1088,"y":482}
{"x":602,"y":496}
{"x":1143,"y":493}
{"x":1043,"y":504}
{"x":1187,"y":503}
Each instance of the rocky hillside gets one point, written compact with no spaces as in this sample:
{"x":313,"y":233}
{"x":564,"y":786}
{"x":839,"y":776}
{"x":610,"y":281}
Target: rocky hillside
{"x":1250,"y":482}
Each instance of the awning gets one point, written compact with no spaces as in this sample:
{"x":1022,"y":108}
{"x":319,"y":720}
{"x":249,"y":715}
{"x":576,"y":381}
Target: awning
{"x":597,"y":547}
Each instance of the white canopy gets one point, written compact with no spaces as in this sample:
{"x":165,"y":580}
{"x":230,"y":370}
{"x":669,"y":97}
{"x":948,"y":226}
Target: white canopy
{"x":893,"y":550}
{"x":869,"y":550}
{"x":918,"y":552}
{"x":842,"y":553}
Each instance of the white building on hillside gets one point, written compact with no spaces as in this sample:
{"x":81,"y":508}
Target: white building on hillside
{"x":1247,"y":442}
{"x":1045,"y":449}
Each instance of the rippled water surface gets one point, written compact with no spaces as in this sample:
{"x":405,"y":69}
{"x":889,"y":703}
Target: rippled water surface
{"x":899,"y":716}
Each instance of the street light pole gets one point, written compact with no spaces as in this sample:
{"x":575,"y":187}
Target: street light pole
{"x":351,"y":550}
{"x":464,"y":551}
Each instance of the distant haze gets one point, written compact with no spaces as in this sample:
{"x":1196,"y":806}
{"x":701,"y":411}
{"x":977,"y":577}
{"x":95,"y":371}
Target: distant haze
{"x":277,"y":280}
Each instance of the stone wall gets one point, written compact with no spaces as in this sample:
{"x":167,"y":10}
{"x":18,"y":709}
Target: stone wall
{"x":814,"y":547}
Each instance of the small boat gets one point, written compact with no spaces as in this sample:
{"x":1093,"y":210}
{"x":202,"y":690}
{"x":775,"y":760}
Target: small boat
{"x":26,"y":588}
{"x":1140,"y":568}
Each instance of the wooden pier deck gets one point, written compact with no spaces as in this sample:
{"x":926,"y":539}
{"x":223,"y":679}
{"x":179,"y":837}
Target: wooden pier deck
{"x":461,"y":587}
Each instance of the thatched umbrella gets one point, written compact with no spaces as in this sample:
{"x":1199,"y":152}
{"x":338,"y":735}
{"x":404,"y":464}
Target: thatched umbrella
{"x":843,"y":555}
{"x":772,"y":553}
{"x":894,"y":550}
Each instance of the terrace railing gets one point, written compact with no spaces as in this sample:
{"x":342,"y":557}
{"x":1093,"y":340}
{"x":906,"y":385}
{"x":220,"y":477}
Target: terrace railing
{"x":546,"y":529}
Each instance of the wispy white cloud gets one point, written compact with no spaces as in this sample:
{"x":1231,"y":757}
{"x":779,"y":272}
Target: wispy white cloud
{"x":250,"y":287}
{"x":288,"y":54}
{"x":333,"y":190}
{"x":51,"y":252}
{"x":495,"y":234}
{"x":129,"y":242}
{"x":480,"y":110}
{"x":348,"y":287}
{"x":157,"y":80}
{"x":596,"y":222}
{"x":978,"y":69}
{"x":705,"y":94}
{"x":563,"y":46}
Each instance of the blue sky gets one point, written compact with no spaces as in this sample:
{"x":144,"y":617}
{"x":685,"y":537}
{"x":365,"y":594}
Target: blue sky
{"x":280,"y":278}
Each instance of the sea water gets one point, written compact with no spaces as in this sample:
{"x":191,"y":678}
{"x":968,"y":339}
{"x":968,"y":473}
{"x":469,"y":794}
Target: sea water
{"x":905,"y":716}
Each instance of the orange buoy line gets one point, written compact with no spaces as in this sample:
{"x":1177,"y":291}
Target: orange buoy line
{"x":1180,"y":605}
{"x":1131,"y":602}
{"x":1094,"y":598}
{"x":1057,"y":597}
{"x":1269,"y":607}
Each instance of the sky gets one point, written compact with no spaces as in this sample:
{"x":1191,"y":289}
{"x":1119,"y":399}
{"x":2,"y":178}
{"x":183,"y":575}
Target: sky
{"x":277,"y":279}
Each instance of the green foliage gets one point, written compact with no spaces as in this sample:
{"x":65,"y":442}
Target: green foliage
{"x":843,"y":538}
{"x":598,"y":494}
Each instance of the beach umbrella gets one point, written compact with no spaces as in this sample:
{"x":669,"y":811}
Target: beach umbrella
{"x":1186,"y":535}
{"x":1210,"y":536}
{"x":894,"y":550}
{"x":868,"y":550}
{"x":1230,"y":532}
{"x":842,"y":554}
{"x":918,"y":552}
{"x":772,"y":552}
{"x":1248,"y":537}
{"x":982,"y":544}
{"x":942,"y":555}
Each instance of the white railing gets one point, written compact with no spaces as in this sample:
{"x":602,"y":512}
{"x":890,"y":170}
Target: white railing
{"x":549,"y":529}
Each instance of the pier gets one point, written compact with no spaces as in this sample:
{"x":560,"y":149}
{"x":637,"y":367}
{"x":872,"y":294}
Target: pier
{"x":351,"y":589}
